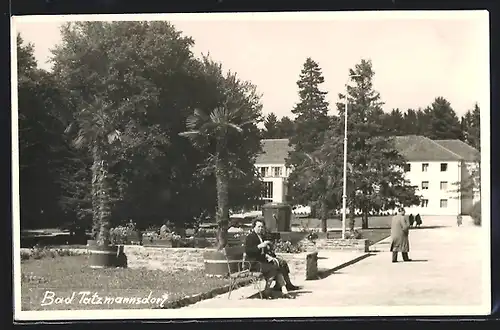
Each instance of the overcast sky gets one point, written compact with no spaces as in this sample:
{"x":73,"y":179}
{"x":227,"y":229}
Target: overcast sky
{"x":415,"y":57}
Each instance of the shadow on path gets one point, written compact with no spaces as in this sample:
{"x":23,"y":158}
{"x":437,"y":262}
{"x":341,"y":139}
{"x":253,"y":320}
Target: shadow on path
{"x":325,"y":273}
{"x":277,"y":294}
{"x":428,"y":227}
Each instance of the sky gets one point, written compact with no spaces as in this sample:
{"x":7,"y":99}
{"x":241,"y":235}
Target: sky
{"x":416,"y":56}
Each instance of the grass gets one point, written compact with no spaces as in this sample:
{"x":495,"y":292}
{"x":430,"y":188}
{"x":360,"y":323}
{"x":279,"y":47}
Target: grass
{"x":372,"y":235}
{"x":69,"y":276}
{"x":373,"y":222}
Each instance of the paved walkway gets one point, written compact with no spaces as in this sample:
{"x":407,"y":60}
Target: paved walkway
{"x":446,"y":271}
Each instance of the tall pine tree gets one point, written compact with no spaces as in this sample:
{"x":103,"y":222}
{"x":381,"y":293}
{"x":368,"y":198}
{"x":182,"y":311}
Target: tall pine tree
{"x":311,"y":123}
{"x":374,"y":176}
{"x":311,"y":111}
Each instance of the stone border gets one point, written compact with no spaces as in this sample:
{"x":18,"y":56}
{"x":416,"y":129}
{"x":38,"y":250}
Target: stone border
{"x":190,"y":300}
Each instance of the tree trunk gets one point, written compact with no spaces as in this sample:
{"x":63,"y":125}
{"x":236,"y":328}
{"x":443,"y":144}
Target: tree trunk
{"x":101,"y":201}
{"x":95,"y":202}
{"x":352,"y":217}
{"x":324,"y":216}
{"x":364,"y":219}
{"x":222,"y":184}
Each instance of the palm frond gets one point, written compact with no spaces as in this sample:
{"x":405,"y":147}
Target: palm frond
{"x":236,"y":127}
{"x":80,"y":140}
{"x":190,"y":134}
{"x":197,"y":119}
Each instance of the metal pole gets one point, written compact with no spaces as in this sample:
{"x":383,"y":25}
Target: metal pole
{"x":344,"y":188}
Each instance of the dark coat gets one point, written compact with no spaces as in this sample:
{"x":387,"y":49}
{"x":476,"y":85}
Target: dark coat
{"x":399,"y":233}
{"x":252,"y":251}
{"x":258,"y":257}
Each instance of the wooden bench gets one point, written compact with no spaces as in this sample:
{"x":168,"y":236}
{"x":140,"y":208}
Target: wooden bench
{"x":243,"y":269}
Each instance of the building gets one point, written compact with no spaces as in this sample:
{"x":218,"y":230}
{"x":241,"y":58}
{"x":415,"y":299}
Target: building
{"x":271,"y":165}
{"x":437,"y":168}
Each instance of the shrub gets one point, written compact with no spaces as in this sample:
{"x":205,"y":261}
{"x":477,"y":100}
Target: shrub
{"x":125,"y":235}
{"x":476,"y":213}
{"x":287,"y":247}
{"x":38,"y":252}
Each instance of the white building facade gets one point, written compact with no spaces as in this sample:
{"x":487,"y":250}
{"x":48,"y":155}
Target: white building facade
{"x":437,"y":168}
{"x":437,"y":184}
{"x":271,"y":166}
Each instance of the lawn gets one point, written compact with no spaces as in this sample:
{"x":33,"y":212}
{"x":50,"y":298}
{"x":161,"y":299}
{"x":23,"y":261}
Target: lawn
{"x":68,"y":283}
{"x":373,"y":236}
{"x":373,"y":222}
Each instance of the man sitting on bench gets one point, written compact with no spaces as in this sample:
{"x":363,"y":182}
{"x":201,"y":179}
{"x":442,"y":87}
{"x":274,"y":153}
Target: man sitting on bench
{"x":260,"y":250}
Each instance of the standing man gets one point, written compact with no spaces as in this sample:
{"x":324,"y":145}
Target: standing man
{"x":399,"y":234}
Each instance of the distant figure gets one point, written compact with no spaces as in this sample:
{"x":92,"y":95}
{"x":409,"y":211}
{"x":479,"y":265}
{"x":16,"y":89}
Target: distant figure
{"x":418,"y":220}
{"x":459,"y":220}
{"x":412,"y":220}
{"x":399,"y":234}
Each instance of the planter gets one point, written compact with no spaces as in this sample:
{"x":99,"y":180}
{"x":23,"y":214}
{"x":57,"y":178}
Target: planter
{"x":108,"y":256}
{"x":216,"y":263}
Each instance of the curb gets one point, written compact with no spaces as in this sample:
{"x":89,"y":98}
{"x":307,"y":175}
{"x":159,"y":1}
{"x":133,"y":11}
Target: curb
{"x":190,"y":300}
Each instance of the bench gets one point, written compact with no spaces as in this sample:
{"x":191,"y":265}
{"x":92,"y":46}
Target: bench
{"x":243,"y":269}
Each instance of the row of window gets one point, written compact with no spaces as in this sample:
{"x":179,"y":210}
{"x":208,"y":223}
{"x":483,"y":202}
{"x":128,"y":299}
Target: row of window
{"x":443,"y":203}
{"x":268,"y":195}
{"x":425,"y":167}
{"x":276,"y":171}
{"x":443,"y":185}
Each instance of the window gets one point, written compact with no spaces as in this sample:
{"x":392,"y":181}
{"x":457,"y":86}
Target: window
{"x":268,"y":190}
{"x":425,"y":185}
{"x":277,"y":171}
{"x":444,"y":167}
{"x":425,"y":203}
{"x":425,"y":167}
{"x":263,"y":171}
{"x":443,"y":185}
{"x":443,"y":203}
{"x":407,"y":167}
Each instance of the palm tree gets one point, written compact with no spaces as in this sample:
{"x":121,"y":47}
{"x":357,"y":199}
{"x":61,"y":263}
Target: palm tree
{"x":215,"y":128}
{"x":97,"y":132}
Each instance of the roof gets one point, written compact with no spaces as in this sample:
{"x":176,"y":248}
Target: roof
{"x":467,"y":152}
{"x":412,"y":147}
{"x":421,"y":148}
{"x":274,"y":151}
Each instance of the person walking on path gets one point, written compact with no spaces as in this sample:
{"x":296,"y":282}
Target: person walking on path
{"x":459,"y":220}
{"x":399,"y":234}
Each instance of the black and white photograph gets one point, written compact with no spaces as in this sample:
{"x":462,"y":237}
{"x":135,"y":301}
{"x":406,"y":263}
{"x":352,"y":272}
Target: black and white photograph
{"x":245,"y":165}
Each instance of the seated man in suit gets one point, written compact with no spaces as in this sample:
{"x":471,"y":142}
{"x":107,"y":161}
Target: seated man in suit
{"x":258,"y":249}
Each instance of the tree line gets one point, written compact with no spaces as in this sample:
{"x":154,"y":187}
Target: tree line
{"x":130,"y":125}
{"x":376,"y":180}
{"x":436,"y":121}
